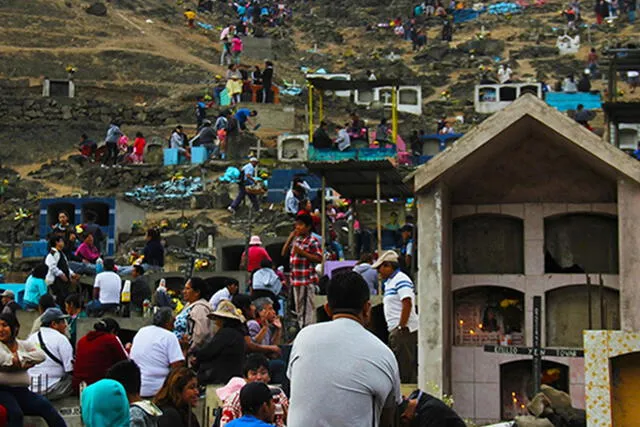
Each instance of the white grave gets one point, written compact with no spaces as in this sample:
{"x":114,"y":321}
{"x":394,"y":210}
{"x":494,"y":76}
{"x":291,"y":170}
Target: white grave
{"x":409,"y":98}
{"x":568,"y":45}
{"x":293,"y":148}
{"x":494,"y":97}
{"x":342,"y":77}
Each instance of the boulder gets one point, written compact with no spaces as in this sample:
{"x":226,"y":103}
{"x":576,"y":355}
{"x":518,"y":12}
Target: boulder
{"x":97,"y":9}
{"x":484,"y":47}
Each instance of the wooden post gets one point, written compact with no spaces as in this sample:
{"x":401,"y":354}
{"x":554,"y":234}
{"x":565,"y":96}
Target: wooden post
{"x":310,"y":86}
{"x":323,"y":222}
{"x":612,"y":80}
{"x":352,"y":234}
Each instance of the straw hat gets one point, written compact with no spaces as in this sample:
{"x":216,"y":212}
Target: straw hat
{"x":227,"y":310}
{"x":387,"y":256}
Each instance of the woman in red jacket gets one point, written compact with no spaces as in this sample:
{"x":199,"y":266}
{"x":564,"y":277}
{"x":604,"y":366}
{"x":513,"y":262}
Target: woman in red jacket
{"x":96,"y":352}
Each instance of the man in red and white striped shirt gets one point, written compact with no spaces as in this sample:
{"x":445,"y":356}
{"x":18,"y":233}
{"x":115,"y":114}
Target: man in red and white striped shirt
{"x":306,"y":252}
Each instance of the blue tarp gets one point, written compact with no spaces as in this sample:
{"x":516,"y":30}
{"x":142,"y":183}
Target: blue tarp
{"x":504,"y":8}
{"x":563,"y":101}
{"x":366,"y":154}
{"x":181,"y":188}
{"x":465,"y":15}
{"x":232,"y":174}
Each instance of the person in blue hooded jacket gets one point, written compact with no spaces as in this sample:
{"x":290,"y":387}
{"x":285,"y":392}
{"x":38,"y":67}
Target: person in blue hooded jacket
{"x":105,"y":404}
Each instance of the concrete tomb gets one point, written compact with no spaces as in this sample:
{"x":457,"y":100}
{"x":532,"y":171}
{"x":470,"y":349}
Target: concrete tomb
{"x":293,"y":148}
{"x":58,"y":88}
{"x":520,"y":208}
{"x":489,"y":98}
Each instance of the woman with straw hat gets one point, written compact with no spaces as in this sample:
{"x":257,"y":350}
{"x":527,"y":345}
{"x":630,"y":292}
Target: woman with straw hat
{"x":221,"y":357}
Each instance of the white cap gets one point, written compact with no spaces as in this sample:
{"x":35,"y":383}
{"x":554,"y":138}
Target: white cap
{"x":253,"y":159}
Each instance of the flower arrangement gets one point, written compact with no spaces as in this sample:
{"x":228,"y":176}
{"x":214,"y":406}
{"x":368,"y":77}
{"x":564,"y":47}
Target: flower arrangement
{"x":70,"y":69}
{"x":21,"y":214}
{"x":445,"y":95}
{"x":202,"y":264}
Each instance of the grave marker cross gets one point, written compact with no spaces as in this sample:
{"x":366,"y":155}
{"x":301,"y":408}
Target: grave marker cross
{"x":536,"y":351}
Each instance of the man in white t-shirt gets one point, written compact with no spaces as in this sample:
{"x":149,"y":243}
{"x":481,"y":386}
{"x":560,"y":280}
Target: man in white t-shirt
{"x":504,"y":74}
{"x":52,"y":340}
{"x":400,"y":314}
{"x":341,"y":374}
{"x":156,"y":350}
{"x":106,"y":290}
{"x":224,"y":294}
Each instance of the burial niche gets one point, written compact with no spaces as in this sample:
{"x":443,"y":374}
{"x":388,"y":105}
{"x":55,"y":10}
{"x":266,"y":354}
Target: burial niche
{"x":488,"y":315}
{"x":567,"y":313}
{"x":488,"y":244}
{"x":625,"y":389}
{"x":576,"y":243}
{"x":231,"y":257}
{"x":516,"y":385}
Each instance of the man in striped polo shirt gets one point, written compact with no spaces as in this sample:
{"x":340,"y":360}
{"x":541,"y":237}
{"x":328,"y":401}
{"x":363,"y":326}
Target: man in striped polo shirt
{"x":400,"y":314}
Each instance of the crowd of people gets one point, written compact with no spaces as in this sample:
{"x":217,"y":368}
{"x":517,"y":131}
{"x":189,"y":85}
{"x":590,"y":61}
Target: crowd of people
{"x":118,"y":149}
{"x":232,"y":339}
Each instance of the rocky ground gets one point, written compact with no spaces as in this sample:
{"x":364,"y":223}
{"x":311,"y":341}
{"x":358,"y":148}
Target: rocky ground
{"x":137,"y":60}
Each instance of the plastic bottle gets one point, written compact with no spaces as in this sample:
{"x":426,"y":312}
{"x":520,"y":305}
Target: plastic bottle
{"x":99,"y":265}
{"x":125,"y":295}
{"x":146,"y":308}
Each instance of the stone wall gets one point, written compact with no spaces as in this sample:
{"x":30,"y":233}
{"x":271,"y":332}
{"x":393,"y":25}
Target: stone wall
{"x":20,"y":110}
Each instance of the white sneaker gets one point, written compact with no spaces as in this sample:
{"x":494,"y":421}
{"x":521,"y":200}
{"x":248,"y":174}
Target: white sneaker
{"x":230,"y":209}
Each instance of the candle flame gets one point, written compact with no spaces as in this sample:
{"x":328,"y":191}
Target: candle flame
{"x":461,"y":322}
{"x":480,"y":325}
{"x":513,"y":394}
{"x":472,"y":332}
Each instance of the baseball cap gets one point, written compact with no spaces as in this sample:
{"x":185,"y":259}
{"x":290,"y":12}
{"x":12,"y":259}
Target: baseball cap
{"x":52,"y":314}
{"x":387,"y":256}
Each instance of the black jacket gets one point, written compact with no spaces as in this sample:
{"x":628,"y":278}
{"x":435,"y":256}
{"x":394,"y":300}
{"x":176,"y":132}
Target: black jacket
{"x":433,"y":412}
{"x":221,"y":357}
{"x":267,"y":77}
{"x":321,"y":139}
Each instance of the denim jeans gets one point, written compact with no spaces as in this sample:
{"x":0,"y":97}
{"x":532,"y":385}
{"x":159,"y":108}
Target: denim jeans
{"x":241,"y":194}
{"x":20,"y":401}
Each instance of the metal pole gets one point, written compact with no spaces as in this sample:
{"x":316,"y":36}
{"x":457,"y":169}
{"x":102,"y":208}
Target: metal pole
{"x":602,"y":311}
{"x":537,"y":354}
{"x":379,"y":223}
{"x":323,"y":221}
{"x":589,"y":302}
{"x":310,"y":106}
{"x":394,"y":115}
